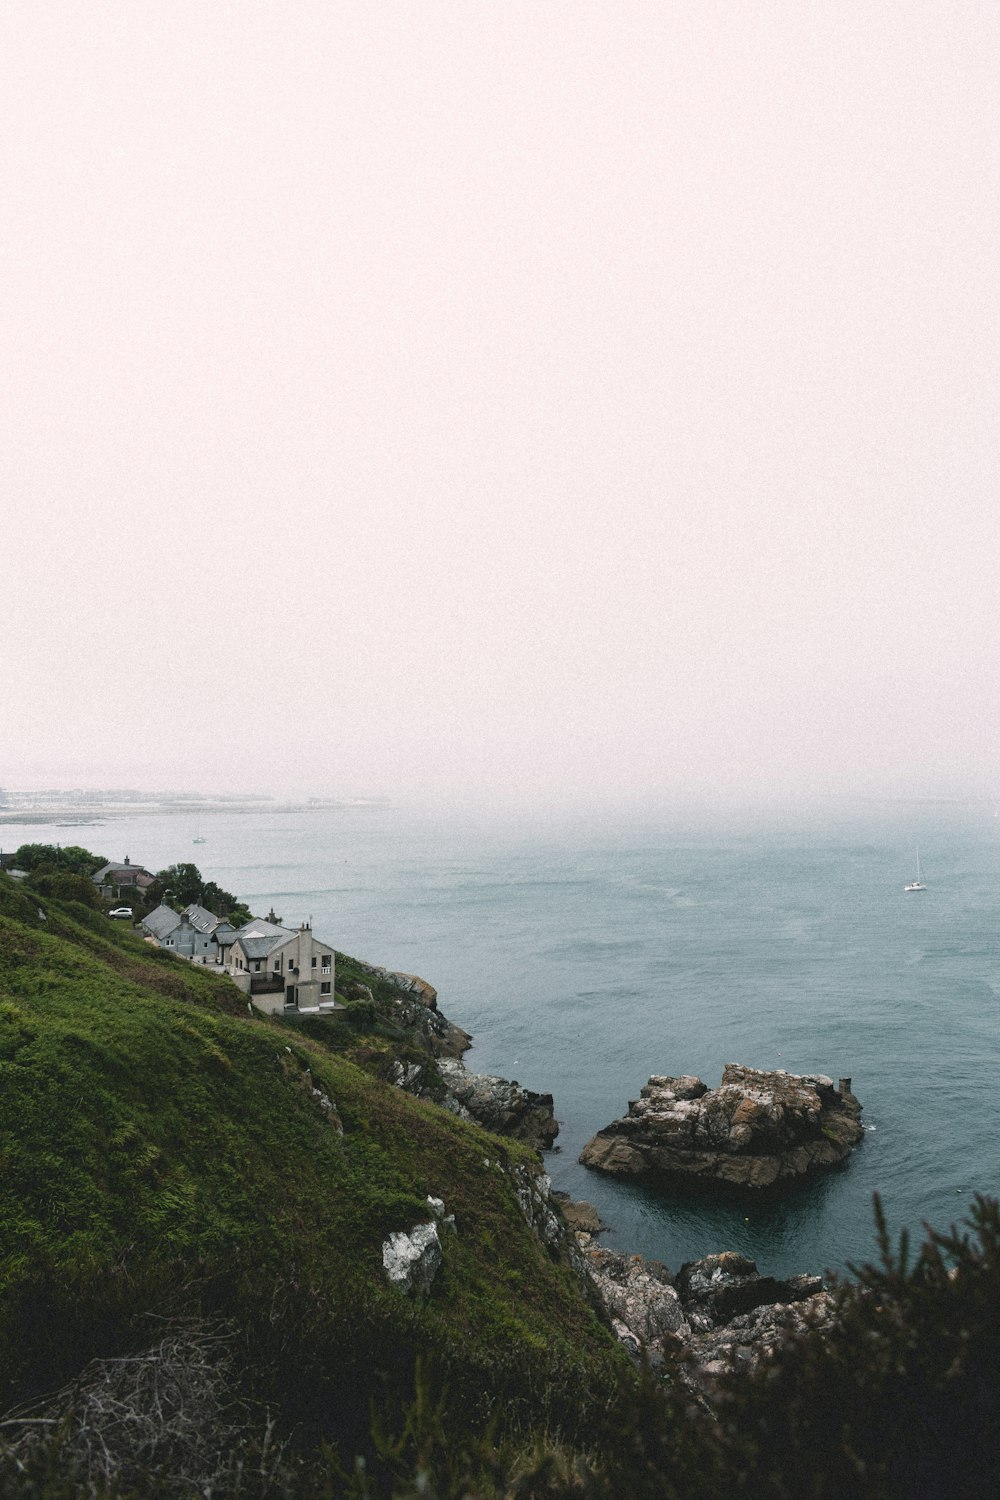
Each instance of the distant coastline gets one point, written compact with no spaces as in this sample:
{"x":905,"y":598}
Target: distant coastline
{"x":87,"y":808}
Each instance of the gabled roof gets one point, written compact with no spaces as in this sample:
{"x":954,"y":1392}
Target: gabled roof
{"x":116,"y":867}
{"x":260,"y":947}
{"x":202,"y":919}
{"x":161,"y":922}
{"x":259,"y":939}
{"x":257,"y":927}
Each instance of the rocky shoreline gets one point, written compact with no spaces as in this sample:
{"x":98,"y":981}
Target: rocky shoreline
{"x":718,"y":1316}
{"x":758,"y":1130}
{"x":501,"y":1105}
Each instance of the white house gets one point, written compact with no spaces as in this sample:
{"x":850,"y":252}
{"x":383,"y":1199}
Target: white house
{"x":282,"y":968}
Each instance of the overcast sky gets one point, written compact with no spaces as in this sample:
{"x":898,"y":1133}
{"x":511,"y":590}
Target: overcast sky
{"x":500,"y":401}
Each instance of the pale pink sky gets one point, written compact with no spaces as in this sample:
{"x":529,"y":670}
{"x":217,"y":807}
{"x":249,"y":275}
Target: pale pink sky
{"x":500,"y":400}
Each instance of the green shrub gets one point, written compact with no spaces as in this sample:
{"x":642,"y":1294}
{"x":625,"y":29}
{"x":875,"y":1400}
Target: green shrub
{"x":361,"y":1014}
{"x":901,"y":1397}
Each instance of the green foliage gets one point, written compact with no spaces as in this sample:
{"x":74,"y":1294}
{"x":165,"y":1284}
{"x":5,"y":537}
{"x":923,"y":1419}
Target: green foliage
{"x":356,"y":981}
{"x":361,"y":1014}
{"x":65,"y":886}
{"x":182,"y":882}
{"x":182,"y":885}
{"x":71,"y":859}
{"x":162,"y":1151}
{"x":902,"y":1396}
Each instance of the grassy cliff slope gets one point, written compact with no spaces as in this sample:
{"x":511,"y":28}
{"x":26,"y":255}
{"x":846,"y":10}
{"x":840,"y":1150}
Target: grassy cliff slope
{"x":163,"y":1153}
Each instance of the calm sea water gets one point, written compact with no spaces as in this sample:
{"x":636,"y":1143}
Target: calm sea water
{"x":585,"y":958}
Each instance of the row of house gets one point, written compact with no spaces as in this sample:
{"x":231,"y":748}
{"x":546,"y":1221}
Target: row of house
{"x":279,"y":968}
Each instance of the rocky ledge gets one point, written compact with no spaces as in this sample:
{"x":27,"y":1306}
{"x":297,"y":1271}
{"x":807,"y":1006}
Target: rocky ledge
{"x":757,"y":1130}
{"x":415,"y":1007}
{"x":715,"y":1317}
{"x":501,"y":1104}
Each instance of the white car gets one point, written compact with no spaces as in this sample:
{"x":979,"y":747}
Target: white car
{"x":120,"y":911}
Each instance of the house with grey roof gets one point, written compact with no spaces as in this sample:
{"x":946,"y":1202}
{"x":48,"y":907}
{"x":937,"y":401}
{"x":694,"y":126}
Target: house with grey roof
{"x":194,"y":933}
{"x":219,"y":930}
{"x":169,"y":929}
{"x":282,"y":968}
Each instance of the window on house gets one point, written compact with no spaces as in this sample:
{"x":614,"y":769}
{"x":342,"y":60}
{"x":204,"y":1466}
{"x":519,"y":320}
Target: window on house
{"x":326,"y":964}
{"x":256,"y":965}
{"x":324,"y":988}
{"x":314,"y":961}
{"x":277,"y":965}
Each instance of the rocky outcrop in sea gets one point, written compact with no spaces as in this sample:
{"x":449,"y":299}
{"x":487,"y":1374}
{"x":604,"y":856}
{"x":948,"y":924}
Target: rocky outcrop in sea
{"x":758,"y":1130}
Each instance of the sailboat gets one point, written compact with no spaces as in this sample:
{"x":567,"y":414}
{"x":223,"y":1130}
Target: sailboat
{"x":918,"y":884}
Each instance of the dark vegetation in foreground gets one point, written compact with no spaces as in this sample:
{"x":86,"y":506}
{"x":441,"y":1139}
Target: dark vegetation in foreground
{"x":192,"y":1298}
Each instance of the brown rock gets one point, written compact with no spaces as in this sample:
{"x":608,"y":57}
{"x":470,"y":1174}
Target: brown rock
{"x":758,"y":1130}
{"x":611,"y":1154}
{"x":580,"y":1216}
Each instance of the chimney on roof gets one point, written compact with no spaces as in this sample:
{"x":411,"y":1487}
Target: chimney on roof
{"x":126,"y":859}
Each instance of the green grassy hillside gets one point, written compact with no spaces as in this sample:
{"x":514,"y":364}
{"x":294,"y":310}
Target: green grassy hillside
{"x":163,"y":1153}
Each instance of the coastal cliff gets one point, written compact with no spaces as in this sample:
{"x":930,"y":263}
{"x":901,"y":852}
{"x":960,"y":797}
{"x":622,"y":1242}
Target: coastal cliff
{"x":226,"y":1240}
{"x":758,"y":1130}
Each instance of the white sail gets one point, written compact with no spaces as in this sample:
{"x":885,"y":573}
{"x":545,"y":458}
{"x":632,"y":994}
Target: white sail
{"x":918,"y":884}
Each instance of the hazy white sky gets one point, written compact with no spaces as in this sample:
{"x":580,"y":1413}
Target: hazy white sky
{"x":500,"y":400}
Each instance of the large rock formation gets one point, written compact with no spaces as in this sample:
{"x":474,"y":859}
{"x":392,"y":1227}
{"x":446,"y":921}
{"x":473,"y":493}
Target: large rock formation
{"x":639,"y":1298}
{"x":758,"y":1130}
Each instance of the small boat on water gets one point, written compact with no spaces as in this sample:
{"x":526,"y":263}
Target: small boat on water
{"x":918,"y":884}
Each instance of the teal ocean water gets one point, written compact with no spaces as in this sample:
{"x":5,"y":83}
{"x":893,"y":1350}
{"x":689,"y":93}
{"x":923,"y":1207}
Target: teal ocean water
{"x":583,"y":958}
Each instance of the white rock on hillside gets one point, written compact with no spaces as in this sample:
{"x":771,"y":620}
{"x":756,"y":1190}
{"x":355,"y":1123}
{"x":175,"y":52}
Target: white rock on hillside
{"x":412,"y":1260}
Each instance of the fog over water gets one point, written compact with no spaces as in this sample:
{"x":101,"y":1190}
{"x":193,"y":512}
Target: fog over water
{"x":519,"y":405}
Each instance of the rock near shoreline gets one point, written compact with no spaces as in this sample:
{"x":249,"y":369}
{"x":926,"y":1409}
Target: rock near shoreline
{"x":758,"y":1130}
{"x":414,"y":1006}
{"x":501,"y":1104}
{"x":719,"y":1315}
